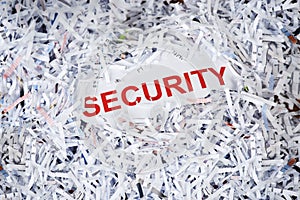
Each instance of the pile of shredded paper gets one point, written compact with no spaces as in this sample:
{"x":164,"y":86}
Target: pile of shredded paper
{"x":238,"y":143}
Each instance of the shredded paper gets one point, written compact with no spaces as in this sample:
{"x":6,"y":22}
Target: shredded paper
{"x":99,"y":99}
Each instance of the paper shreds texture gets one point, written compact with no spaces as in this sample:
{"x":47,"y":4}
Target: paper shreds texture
{"x":245,"y":146}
